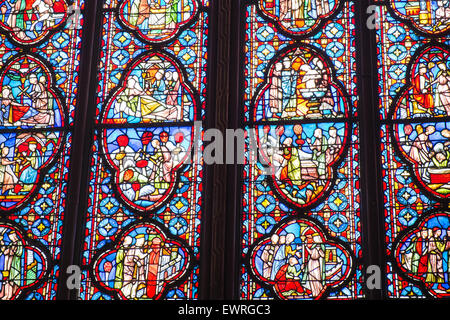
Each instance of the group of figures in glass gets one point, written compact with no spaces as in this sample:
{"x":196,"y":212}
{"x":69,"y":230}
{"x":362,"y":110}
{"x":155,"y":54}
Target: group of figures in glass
{"x":146,"y":159}
{"x":20,"y":265}
{"x":300,"y":162}
{"x":298,"y":16}
{"x":300,"y":86}
{"x":421,"y":133}
{"x":430,"y":87}
{"x":153,"y":92}
{"x":425,"y":251}
{"x":143,"y":262}
{"x":429,"y":16}
{"x":424,"y":255}
{"x":426,"y":144}
{"x":32,"y":116}
{"x":299,"y":261}
{"x":26,"y":101}
{"x":157,"y":20}
{"x":28,"y":19}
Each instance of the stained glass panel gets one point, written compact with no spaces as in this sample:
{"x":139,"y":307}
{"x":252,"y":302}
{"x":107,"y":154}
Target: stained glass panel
{"x":413,"y":65}
{"x":300,"y":222}
{"x":39,"y":58}
{"x":142,"y":233}
{"x":300,"y":215}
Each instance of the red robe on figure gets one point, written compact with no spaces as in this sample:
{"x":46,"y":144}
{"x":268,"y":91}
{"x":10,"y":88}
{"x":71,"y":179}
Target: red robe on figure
{"x":153,"y":266}
{"x":421,"y":246}
{"x":425,"y":100}
{"x":284,"y":284}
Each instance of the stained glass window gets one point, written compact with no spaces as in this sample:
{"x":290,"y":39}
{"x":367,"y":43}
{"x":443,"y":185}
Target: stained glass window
{"x":414,"y":109}
{"x":102,"y":164}
{"x":39,"y":57}
{"x":300,"y":221}
{"x":142,"y":225}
